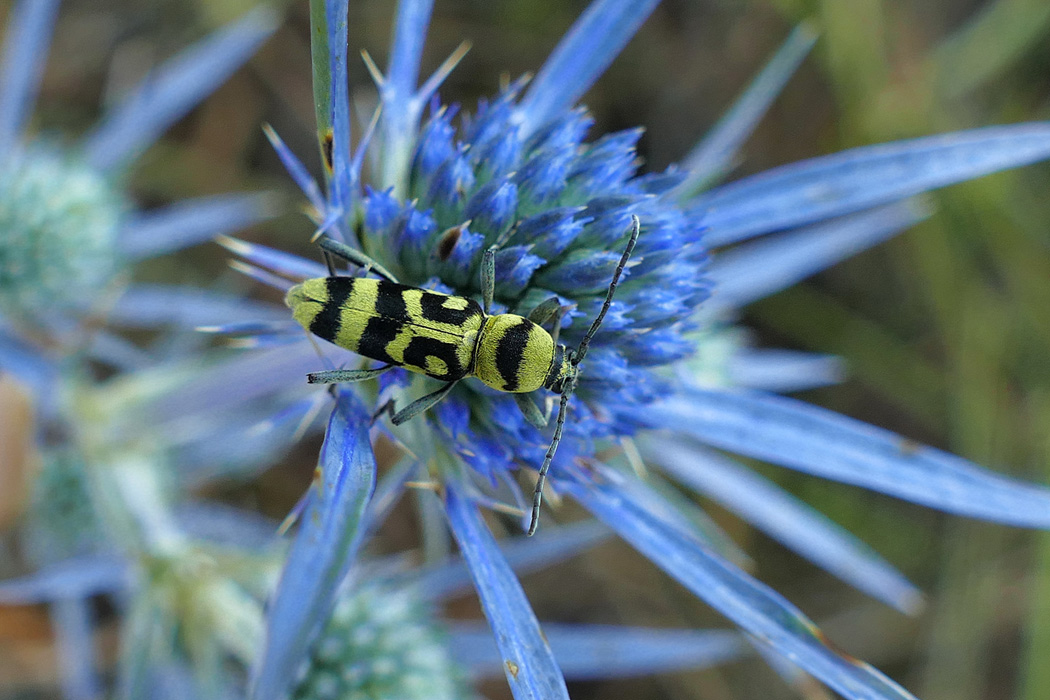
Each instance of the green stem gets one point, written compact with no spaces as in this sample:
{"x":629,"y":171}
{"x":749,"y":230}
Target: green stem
{"x":322,"y":73}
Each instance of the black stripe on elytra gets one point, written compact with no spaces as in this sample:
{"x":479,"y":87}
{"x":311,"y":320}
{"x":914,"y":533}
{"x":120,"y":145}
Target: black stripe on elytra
{"x":387,"y":322}
{"x":420,"y":347}
{"x":326,"y":323}
{"x":511,"y":351}
{"x":435,"y":310}
{"x":390,"y":300}
{"x":378,"y":333}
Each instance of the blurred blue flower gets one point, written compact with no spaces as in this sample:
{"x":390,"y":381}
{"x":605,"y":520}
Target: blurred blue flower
{"x":443,"y":185}
{"x":70,"y":236}
{"x":70,"y":231}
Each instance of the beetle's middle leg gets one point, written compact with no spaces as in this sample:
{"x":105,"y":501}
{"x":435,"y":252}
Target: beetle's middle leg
{"x":342,"y":250}
{"x":419,"y":405}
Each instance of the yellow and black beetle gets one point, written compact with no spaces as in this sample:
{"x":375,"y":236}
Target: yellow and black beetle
{"x":446,"y":337}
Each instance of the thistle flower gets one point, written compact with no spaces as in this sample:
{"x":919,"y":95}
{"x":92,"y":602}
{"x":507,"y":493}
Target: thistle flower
{"x":521,"y":170}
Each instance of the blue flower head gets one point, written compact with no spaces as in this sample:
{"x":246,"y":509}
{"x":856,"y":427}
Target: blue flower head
{"x":559,"y":209}
{"x":523,"y":173}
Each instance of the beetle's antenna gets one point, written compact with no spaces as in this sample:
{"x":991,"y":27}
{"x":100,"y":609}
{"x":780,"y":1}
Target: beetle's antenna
{"x":537,"y":494}
{"x":581,"y":352}
{"x":574,"y":361}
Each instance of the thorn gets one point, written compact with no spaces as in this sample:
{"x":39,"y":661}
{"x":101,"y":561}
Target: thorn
{"x":443,"y":71}
{"x":634,"y":457}
{"x":373,"y":69}
{"x":241,"y":267}
{"x":234,"y":245}
{"x":424,"y":485}
{"x":271,"y":135}
{"x":500,"y":507}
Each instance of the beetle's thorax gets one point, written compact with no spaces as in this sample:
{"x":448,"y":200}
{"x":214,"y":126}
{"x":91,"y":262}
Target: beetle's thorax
{"x":513,"y":354}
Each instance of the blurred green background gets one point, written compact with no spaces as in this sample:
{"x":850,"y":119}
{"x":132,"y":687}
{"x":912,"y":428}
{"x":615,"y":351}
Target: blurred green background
{"x":945,"y":330}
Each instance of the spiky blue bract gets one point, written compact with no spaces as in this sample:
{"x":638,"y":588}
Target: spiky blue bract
{"x":330,"y":531}
{"x":402,"y":104}
{"x":410,"y":30}
{"x":527,"y":660}
{"x":73,"y":623}
{"x":174,"y":89}
{"x":751,"y":605}
{"x":790,"y":521}
{"x":817,"y":441}
{"x":714,"y":155}
{"x":153,"y":305}
{"x":846,"y":182}
{"x":24,"y":49}
{"x":583,"y":54}
{"x":193,"y":221}
{"x":783,"y":371}
{"x":296,"y":169}
{"x":75,"y":577}
{"x":341,"y":192}
{"x":759,"y":268}
{"x":594,"y":652}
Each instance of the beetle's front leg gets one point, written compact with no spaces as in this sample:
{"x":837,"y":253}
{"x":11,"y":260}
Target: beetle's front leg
{"x":532,"y":412}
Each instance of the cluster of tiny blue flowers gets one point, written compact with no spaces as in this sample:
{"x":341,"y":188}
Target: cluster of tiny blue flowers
{"x":560,"y":209}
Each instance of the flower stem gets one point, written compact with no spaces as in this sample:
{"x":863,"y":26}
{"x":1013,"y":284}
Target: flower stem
{"x":322,"y":73}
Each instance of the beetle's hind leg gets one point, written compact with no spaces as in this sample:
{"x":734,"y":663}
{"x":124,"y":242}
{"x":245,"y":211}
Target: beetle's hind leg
{"x":342,"y":250}
{"x":532,"y":412}
{"x":419,"y":405}
{"x":337,"y":376}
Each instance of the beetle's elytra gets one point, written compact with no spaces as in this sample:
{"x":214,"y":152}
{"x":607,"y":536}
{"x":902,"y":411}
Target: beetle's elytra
{"x":444,"y":337}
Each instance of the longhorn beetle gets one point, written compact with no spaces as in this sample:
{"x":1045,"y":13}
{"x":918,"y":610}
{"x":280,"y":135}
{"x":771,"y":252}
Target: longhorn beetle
{"x":447,"y":338}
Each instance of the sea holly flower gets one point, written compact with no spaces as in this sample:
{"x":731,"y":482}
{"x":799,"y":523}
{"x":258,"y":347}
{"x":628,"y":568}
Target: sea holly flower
{"x":521,"y":171}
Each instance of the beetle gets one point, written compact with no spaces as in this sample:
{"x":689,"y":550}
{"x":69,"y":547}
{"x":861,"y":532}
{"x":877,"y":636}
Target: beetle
{"x":447,"y":337}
